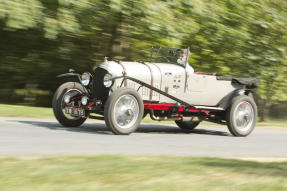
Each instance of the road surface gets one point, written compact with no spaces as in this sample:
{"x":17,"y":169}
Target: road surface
{"x":45,"y":137}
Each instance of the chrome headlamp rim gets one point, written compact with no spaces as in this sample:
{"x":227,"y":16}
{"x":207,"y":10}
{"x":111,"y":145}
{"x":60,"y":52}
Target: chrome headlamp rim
{"x":107,"y":80}
{"x":85,"y":78}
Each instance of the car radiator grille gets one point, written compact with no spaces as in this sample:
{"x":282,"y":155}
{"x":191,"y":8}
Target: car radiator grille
{"x":99,"y":91}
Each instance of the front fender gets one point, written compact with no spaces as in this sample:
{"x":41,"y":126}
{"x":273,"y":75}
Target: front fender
{"x":72,"y":74}
{"x":69,"y":74}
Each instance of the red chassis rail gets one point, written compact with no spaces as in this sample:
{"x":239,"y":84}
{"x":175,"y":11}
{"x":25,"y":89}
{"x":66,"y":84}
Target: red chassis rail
{"x":168,"y":106}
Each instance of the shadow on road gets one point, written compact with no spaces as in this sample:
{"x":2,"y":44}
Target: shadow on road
{"x":99,"y":128}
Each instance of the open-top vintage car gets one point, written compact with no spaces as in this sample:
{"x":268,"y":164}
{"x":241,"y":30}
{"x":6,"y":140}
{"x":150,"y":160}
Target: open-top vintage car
{"x":122,"y":93}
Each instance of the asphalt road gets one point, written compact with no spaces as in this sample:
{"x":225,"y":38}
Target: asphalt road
{"x":45,"y":137}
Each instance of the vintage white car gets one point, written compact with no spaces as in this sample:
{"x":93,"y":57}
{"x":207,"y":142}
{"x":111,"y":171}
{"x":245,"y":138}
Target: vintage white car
{"x":122,"y":93}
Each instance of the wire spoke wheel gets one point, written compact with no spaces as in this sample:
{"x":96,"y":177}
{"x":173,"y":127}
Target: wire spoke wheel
{"x":123,"y":111}
{"x":243,"y":116}
{"x":126,"y":111}
{"x":67,"y":120}
{"x":63,"y":104}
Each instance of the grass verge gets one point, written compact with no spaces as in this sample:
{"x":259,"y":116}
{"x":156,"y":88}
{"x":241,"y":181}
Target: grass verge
{"x":41,"y":112}
{"x":140,"y":173}
{"x":25,"y":111}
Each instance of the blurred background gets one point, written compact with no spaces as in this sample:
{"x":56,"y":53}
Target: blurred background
{"x":40,"y":39}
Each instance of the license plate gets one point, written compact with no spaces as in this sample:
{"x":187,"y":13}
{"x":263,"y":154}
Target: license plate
{"x":78,"y":112}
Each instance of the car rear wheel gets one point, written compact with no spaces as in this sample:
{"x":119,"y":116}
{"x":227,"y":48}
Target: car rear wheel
{"x":187,"y":125}
{"x":123,"y":111}
{"x":58,"y":104}
{"x":241,"y":116}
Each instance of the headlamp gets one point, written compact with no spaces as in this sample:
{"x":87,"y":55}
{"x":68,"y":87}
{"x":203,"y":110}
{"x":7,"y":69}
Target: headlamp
{"x":84,"y":100}
{"x":85,"y":79}
{"x":108,"y":82}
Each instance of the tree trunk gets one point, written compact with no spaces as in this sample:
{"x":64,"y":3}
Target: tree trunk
{"x":264,"y":114}
{"x":267,"y":102}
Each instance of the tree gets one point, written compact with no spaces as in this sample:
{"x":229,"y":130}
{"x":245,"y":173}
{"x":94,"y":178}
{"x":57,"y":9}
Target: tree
{"x":41,"y":39}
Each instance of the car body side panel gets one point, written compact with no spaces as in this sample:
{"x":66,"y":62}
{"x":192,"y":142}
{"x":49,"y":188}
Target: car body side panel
{"x":207,"y":90}
{"x":197,"y":89}
{"x":141,"y":72}
{"x":157,"y":80}
{"x":194,"y":89}
{"x":166,"y":77}
{"x":173,"y":81}
{"x":148,"y":73}
{"x":216,"y":90}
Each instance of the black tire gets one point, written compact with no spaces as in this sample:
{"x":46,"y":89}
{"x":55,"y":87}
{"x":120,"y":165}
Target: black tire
{"x":187,"y":125}
{"x":109,"y":112}
{"x":230,"y":116}
{"x":58,"y":101}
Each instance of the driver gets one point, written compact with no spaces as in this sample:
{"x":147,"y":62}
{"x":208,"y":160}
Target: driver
{"x":183,"y":59}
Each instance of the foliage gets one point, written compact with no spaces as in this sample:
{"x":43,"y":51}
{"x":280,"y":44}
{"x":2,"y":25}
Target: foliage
{"x":40,"y":39}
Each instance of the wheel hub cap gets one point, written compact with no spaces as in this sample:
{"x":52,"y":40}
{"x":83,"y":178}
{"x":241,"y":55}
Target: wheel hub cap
{"x":243,"y":116}
{"x":126,"y":111}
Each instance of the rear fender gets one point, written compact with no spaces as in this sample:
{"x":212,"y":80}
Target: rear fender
{"x":225,"y":103}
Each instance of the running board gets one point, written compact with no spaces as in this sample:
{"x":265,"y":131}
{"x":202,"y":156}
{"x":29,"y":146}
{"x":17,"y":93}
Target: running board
{"x":209,"y":108}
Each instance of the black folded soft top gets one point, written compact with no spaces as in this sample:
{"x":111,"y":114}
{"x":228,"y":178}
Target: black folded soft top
{"x":249,"y":82}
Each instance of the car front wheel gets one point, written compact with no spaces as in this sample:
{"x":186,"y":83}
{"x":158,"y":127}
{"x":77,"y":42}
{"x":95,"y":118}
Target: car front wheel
{"x":123,"y":111}
{"x":59,"y":104}
{"x":241,"y":116}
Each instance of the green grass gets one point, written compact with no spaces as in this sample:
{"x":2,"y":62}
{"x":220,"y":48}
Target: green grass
{"x":25,"y":111}
{"x":273,"y":123}
{"x":140,"y":173}
{"x":41,"y":112}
